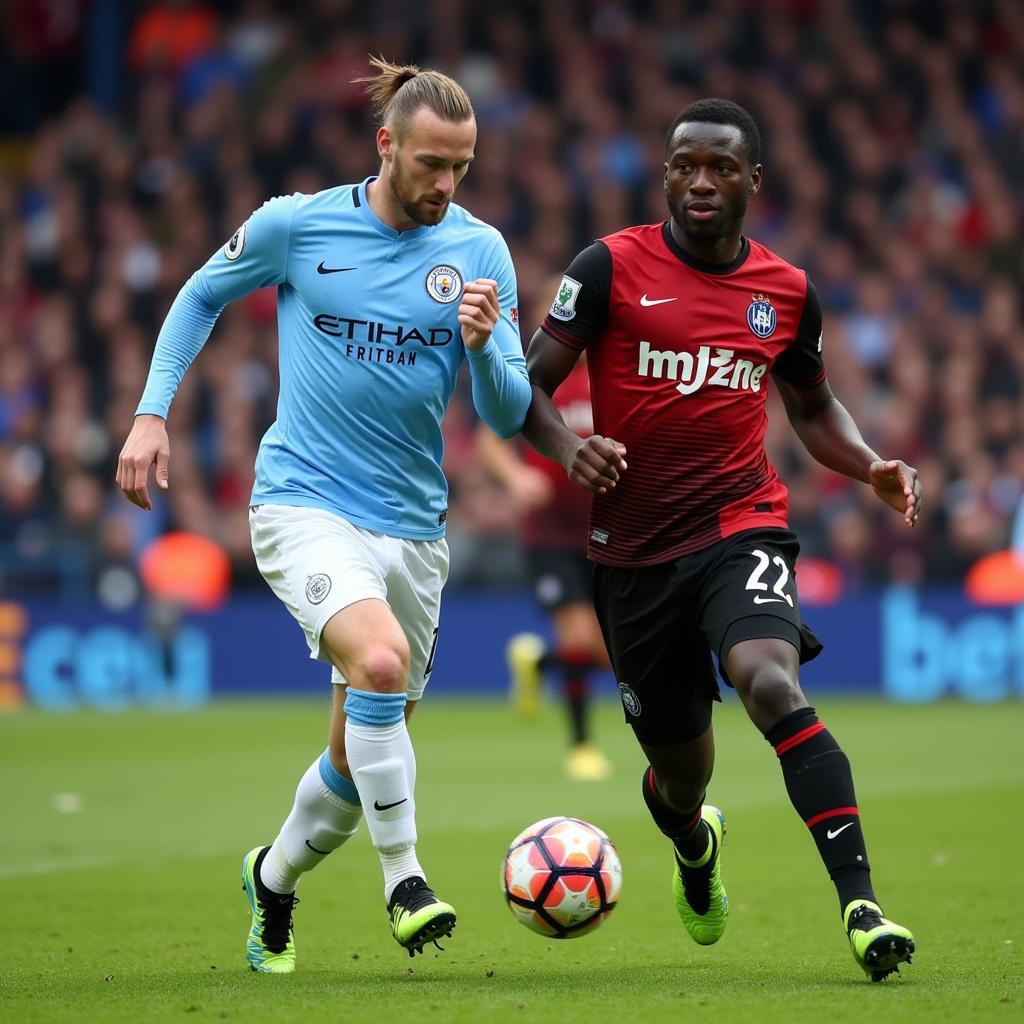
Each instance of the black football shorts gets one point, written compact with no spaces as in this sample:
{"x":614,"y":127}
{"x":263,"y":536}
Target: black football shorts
{"x":560,"y":576}
{"x":661,"y":624}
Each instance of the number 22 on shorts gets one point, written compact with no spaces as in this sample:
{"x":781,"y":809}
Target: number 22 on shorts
{"x":754,"y":580}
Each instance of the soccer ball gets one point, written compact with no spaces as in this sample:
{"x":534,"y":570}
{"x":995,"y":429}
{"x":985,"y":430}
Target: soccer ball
{"x":562,"y":877}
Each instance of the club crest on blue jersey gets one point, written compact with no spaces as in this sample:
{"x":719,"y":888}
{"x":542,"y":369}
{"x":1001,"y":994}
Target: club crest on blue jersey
{"x":761,"y":316}
{"x":444,"y":284}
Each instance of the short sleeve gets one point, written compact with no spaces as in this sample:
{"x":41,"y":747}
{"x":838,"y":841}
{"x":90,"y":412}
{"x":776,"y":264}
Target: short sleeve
{"x":801,"y":364}
{"x":579,"y":311}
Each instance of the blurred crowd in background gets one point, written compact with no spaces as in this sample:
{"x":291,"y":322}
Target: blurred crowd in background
{"x":135,"y":138}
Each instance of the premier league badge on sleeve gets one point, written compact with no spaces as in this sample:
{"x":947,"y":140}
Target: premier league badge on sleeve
{"x":444,"y":284}
{"x":761,"y":316}
{"x":235,"y":246}
{"x":564,"y":306}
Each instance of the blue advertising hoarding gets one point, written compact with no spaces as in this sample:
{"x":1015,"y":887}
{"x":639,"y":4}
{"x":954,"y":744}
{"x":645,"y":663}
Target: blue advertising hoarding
{"x":909,"y":645}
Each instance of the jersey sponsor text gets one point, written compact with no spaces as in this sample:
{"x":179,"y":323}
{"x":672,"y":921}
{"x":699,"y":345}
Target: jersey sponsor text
{"x":377,"y":333}
{"x":692,"y":373}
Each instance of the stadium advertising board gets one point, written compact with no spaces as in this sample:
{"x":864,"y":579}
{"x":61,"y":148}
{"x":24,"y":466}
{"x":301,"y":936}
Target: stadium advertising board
{"x":912,"y":646}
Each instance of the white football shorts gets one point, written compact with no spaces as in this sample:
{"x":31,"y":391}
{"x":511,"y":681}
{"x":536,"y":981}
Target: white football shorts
{"x":318,"y":563}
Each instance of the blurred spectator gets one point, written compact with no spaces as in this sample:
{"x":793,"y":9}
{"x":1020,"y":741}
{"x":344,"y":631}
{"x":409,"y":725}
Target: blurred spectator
{"x":168,"y":36}
{"x":894,"y":153}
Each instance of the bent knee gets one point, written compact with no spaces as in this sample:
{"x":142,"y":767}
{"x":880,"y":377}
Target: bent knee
{"x":769,"y":692}
{"x":382,"y":670}
{"x":763,"y":680}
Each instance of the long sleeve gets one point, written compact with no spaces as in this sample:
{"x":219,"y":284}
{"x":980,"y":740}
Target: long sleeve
{"x":256,"y":256}
{"x":501,"y":384}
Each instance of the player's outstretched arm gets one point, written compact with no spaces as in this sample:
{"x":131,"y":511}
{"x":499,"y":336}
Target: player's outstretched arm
{"x":829,"y":433}
{"x":147,"y":445}
{"x":594,"y":463}
{"x":255,"y":256}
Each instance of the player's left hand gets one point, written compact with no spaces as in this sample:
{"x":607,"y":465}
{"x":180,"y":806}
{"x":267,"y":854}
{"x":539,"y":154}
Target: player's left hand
{"x":897,"y":485}
{"x":478,"y":312}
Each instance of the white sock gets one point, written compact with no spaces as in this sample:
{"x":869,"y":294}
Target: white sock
{"x":320,"y":822}
{"x":384,"y":770}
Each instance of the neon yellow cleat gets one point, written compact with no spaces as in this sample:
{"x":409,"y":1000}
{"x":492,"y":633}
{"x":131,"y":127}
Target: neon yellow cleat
{"x":271,"y":945}
{"x":523,"y":653}
{"x":418,"y":916}
{"x":701,"y":899}
{"x":585,"y":763}
{"x":878,"y":945}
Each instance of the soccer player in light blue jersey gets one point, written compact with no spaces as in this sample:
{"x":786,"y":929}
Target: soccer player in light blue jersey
{"x":384,"y":288}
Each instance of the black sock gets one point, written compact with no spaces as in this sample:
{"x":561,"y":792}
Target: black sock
{"x":820,"y":786}
{"x":574,"y":666}
{"x":686,"y":829}
{"x":576,"y":698}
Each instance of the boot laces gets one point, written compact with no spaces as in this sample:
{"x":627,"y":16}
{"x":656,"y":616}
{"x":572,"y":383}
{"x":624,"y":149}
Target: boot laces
{"x":864,"y":918}
{"x":277,"y":919}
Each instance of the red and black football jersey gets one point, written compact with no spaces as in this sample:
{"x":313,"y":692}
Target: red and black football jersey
{"x":679,"y":353}
{"x":562,"y":522}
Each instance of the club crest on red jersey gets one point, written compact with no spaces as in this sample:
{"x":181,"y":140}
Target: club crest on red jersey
{"x":761,"y":316}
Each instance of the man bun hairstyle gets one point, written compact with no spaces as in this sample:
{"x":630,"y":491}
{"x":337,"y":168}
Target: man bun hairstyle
{"x":719,"y":111}
{"x":397,"y":91}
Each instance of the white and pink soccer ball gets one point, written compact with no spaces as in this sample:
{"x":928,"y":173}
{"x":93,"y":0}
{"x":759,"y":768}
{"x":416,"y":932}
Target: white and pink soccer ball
{"x":562,"y":877}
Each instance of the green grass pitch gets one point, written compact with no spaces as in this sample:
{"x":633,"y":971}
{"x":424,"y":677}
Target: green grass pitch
{"x":121,"y":838}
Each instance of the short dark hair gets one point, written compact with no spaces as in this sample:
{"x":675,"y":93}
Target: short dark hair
{"x":719,"y":111}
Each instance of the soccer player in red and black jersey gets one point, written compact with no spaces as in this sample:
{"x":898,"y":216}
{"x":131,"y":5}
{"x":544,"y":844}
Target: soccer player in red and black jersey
{"x":682,"y":323}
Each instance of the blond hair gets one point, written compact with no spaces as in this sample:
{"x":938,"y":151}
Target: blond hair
{"x":397,"y":91}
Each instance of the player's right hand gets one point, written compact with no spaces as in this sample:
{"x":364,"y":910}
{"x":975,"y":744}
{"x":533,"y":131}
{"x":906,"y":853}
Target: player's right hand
{"x":147,"y":444}
{"x":595,"y":463}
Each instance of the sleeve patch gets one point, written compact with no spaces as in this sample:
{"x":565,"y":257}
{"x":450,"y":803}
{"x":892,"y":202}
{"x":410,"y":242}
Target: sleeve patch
{"x":235,"y":246}
{"x":564,"y":306}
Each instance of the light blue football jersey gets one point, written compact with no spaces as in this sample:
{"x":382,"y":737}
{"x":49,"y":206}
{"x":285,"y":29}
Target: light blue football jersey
{"x":369,"y":346}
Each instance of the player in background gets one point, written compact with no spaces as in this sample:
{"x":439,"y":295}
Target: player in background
{"x":384,"y":288}
{"x":682,"y":322}
{"x":553,"y":531}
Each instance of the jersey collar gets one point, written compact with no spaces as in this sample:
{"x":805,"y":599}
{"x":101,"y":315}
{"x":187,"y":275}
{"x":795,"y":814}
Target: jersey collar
{"x":703,"y":265}
{"x":363,"y":205}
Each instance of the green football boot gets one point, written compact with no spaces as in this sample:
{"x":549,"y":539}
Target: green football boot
{"x":878,"y":945}
{"x":271,"y":945}
{"x":418,"y":916}
{"x":701,"y":899}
